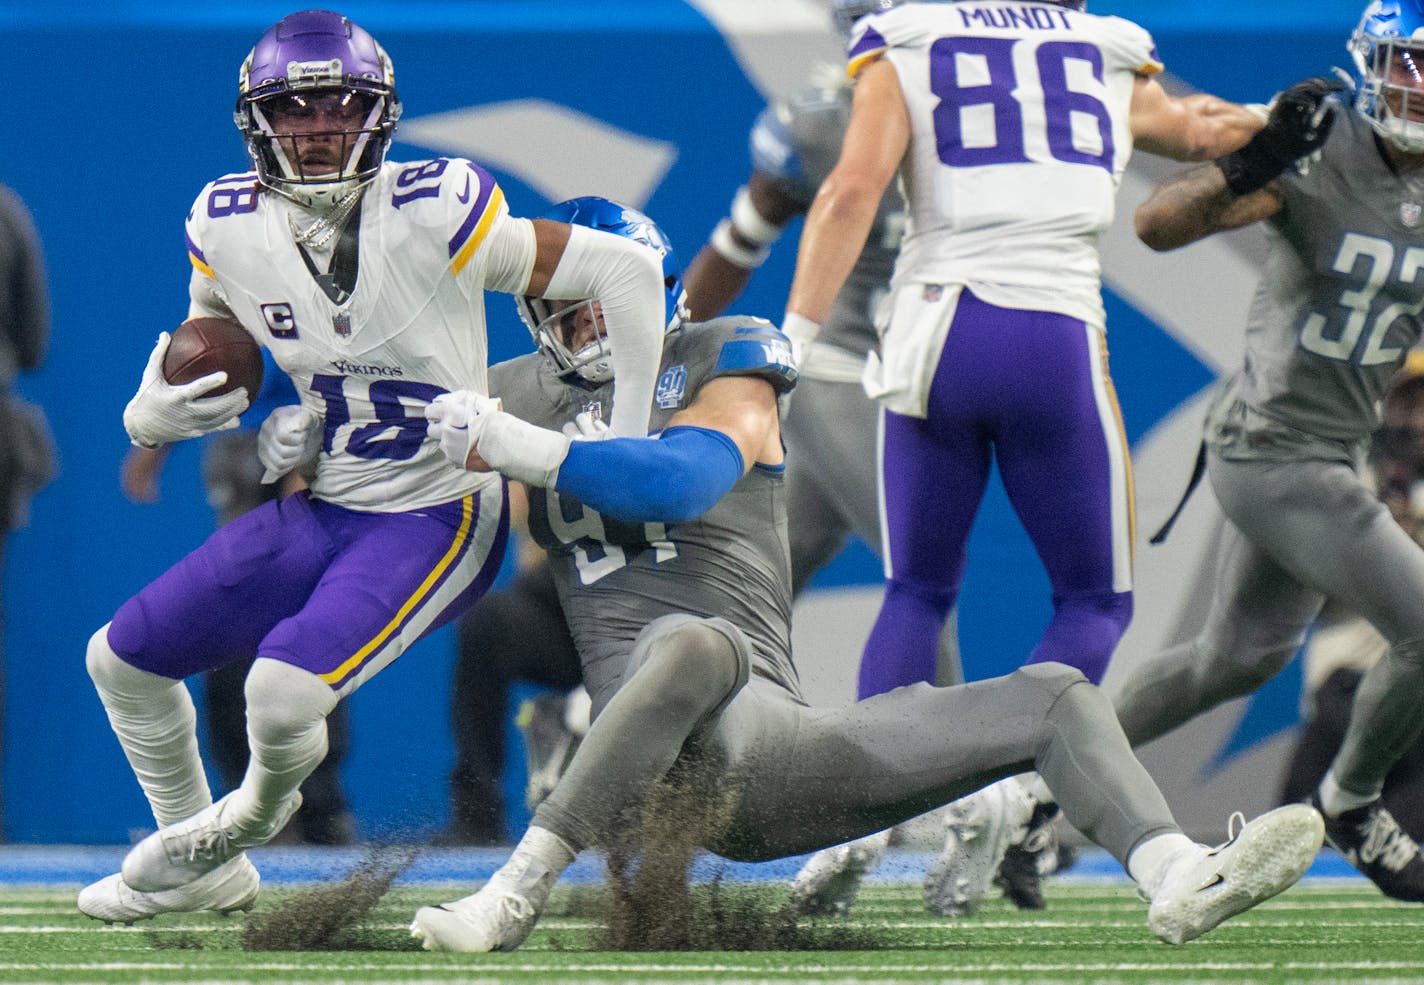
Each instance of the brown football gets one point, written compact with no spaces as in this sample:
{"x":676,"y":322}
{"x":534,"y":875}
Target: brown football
{"x":206,"y":345}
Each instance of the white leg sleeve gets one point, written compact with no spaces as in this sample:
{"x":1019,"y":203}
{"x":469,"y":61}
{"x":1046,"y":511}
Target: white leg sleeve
{"x":154,"y":720}
{"x":286,"y":729}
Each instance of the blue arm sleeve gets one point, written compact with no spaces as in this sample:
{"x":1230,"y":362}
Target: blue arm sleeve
{"x":677,"y":476}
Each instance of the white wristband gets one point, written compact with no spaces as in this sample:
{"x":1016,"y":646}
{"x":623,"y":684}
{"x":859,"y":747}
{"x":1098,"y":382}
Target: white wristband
{"x":522,"y":450}
{"x":726,"y":244}
{"x":749,"y":222}
{"x":799,"y":329}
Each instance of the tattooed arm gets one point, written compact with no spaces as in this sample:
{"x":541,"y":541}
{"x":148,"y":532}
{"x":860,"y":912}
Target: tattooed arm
{"x":1196,"y":204}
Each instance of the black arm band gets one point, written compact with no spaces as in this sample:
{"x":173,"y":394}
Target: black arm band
{"x":1252,"y":167}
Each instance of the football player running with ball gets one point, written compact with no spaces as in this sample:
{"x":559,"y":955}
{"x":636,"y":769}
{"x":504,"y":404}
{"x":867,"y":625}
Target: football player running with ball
{"x":366,"y":280}
{"x":672,"y":567}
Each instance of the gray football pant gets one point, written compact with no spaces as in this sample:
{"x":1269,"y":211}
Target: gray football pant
{"x":1299,"y":532}
{"x":799,"y":778}
{"x":833,"y":487}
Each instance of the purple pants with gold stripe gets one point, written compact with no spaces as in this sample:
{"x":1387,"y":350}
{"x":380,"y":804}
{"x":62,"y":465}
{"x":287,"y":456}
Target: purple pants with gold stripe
{"x":334,"y":591}
{"x":1030,"y":390}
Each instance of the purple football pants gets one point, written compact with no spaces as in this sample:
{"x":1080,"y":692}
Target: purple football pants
{"x":1030,"y":390}
{"x":334,"y":591}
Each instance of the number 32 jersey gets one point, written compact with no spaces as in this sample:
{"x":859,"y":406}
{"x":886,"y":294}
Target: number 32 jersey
{"x":1019,"y":136}
{"x":433,"y":235}
{"x":1337,"y":309}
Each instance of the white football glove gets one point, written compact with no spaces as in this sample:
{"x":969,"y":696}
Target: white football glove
{"x":288,"y":439}
{"x":451,"y":416}
{"x":802,"y":331}
{"x":588,"y":425}
{"x":463,"y":422}
{"x":161,"y":412}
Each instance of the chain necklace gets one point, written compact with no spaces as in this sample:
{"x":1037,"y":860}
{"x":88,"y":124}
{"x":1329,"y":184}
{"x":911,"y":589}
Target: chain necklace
{"x":320,"y":232}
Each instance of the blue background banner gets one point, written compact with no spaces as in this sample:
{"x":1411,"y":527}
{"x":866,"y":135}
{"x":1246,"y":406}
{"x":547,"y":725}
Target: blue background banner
{"x":116,"y":117}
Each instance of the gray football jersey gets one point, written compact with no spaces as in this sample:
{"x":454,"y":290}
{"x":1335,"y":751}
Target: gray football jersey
{"x":796,"y":142}
{"x":614,"y":577}
{"x":1336,"y":310}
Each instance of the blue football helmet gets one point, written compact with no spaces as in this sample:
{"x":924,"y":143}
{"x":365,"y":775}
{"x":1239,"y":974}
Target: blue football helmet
{"x":309,"y":63}
{"x":1388,"y":47}
{"x":552,"y":323}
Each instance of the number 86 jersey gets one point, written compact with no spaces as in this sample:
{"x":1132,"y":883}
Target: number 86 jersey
{"x":1019,"y":136}
{"x":372,"y":322}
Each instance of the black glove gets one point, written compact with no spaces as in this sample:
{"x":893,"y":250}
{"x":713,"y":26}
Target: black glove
{"x":1300,"y":121}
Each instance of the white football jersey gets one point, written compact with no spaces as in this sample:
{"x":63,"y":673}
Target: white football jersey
{"x":1019,"y":137}
{"x":434,"y":235}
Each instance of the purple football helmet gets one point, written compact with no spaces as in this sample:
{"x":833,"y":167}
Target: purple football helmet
{"x":309,"y":66}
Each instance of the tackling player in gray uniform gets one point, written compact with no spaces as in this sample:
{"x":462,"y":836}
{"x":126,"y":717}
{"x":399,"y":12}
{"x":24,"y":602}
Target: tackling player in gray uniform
{"x":1336,"y":310}
{"x":672,"y":569}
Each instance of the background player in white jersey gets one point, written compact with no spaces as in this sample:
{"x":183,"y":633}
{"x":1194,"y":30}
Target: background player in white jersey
{"x":671,"y":561}
{"x":1009,"y":125}
{"x":1336,"y":310}
{"x":366,"y":279}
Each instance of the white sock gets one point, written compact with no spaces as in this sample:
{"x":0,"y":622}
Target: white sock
{"x":156,"y":725}
{"x":286,"y":730}
{"x":1335,"y":799}
{"x":1148,"y":861}
{"x":552,"y":851}
{"x":538,"y":860}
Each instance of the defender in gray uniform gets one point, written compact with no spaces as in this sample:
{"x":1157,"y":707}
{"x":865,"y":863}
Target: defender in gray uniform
{"x":1337,"y":308}
{"x":672,"y":568}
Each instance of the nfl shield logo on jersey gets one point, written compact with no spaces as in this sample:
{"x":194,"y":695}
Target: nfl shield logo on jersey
{"x":1410,"y":213}
{"x":671,"y":386}
{"x":342,"y":324}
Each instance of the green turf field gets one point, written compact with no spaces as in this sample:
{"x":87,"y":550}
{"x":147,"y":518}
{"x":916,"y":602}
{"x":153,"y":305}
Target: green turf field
{"x":1093,"y":933}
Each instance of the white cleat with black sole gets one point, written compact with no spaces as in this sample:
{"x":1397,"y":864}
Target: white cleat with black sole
{"x":979,"y":829}
{"x":829,"y":881}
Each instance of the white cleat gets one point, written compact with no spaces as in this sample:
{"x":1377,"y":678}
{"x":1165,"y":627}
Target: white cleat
{"x":490,"y":920}
{"x":1202,"y":887}
{"x":978,"y":831}
{"x":830,"y":880}
{"x":175,"y":856}
{"x":231,"y":886}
